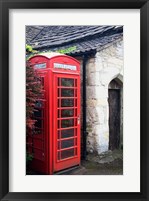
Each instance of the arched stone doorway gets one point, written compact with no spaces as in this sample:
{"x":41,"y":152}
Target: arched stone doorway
{"x":115,"y":114}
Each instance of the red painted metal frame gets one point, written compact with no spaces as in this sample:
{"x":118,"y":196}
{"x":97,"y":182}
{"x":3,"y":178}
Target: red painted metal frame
{"x":73,"y":160}
{"x":50,"y":164}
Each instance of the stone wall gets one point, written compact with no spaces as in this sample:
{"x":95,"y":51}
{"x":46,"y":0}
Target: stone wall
{"x":104,"y":67}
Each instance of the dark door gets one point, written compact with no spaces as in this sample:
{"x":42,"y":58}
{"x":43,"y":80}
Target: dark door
{"x":114,"y":118}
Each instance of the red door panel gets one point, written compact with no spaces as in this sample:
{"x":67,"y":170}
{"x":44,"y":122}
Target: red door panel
{"x":66,"y":130}
{"x":37,"y":140}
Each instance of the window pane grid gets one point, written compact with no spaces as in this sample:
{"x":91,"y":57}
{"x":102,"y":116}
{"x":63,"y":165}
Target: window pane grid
{"x":68,"y":82}
{"x":62,"y":87}
{"x":63,"y":108}
{"x":69,"y":138}
{"x":68,"y":97}
{"x":67,"y":128}
{"x":67,"y":123}
{"x":66,"y":113}
{"x":67,"y":118}
{"x":66,"y":156}
{"x":66,"y":149}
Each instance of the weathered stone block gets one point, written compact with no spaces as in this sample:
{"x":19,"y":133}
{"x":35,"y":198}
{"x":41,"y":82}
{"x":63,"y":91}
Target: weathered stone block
{"x":90,"y":92}
{"x":101,"y":70}
{"x":93,"y":79}
{"x":108,"y":74}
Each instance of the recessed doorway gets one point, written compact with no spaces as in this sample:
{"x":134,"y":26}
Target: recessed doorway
{"x":115,"y":114}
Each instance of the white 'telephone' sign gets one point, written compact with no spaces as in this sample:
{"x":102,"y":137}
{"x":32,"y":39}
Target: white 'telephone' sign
{"x":65,"y":66}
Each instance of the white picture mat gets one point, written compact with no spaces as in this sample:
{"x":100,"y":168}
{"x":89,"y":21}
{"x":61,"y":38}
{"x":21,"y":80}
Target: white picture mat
{"x":130,"y":180}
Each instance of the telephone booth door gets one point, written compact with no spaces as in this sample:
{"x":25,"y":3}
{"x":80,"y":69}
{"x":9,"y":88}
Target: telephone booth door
{"x":66,"y":102}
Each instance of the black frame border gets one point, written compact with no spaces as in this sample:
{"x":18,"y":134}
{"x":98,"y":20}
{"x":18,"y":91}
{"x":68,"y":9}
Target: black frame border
{"x":5,"y":5}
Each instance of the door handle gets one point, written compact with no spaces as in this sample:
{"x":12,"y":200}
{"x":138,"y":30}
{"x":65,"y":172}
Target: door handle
{"x":78,"y":119}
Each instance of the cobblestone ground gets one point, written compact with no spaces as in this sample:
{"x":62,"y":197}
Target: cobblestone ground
{"x":113,"y":168}
{"x":93,"y":168}
{"x":109,"y":163}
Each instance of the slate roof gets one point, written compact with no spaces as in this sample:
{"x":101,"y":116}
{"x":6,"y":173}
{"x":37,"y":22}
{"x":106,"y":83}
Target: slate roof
{"x":32,"y":32}
{"x":83,"y":38}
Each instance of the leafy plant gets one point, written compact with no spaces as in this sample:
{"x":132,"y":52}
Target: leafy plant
{"x":29,"y":48}
{"x":29,"y":157}
{"x":31,"y":52}
{"x":67,"y":50}
{"x":33,"y":92}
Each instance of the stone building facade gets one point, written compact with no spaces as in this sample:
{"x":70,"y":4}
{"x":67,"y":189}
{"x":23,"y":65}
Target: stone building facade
{"x":103,"y":46}
{"x":104,"y":67}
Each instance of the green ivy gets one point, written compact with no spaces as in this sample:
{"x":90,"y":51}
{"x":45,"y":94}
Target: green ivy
{"x":29,"y":48}
{"x":31,"y":52}
{"x":67,"y":50}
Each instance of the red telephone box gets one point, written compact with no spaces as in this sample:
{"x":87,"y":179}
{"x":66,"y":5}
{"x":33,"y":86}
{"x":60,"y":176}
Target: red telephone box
{"x":56,"y":144}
